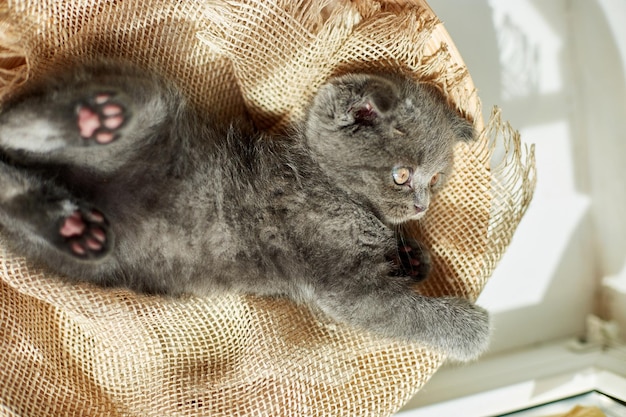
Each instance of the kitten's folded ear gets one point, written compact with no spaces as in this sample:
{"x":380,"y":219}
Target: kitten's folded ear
{"x":374,"y":97}
{"x":463,"y":129}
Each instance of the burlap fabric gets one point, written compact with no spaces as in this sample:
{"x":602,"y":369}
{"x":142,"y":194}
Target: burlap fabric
{"x":78,"y":350}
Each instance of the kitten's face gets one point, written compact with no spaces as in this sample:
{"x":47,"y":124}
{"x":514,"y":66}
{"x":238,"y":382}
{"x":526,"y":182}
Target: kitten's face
{"x":388,"y":139}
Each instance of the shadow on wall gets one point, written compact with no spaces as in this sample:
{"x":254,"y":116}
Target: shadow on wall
{"x":601,"y":52}
{"x":602,"y":82}
{"x":524,"y":56}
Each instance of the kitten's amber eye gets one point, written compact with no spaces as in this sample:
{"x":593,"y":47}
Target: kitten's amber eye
{"x":435,"y":179}
{"x":401,"y":175}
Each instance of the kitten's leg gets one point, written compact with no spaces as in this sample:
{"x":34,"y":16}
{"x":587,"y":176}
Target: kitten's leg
{"x":51,"y":122}
{"x":388,"y":307}
{"x":94,"y":117}
{"x":45,"y":220}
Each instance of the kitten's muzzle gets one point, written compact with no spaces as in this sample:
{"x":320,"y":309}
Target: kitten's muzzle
{"x":419,"y":208}
{"x":421,"y":200}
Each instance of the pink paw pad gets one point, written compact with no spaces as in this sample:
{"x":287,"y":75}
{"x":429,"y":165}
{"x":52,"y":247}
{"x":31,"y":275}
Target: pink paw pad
{"x":410,"y":260}
{"x":100,"y":118}
{"x":85,"y":233}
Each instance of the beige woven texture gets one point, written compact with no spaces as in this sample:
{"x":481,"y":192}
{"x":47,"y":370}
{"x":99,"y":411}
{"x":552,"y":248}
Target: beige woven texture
{"x":77,"y":350}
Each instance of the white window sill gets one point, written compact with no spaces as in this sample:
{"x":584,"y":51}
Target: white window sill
{"x":515,"y":381}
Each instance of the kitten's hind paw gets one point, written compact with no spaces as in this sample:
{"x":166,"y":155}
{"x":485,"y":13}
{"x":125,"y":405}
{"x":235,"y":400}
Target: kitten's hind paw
{"x":85,"y":234}
{"x":412,"y":259}
{"x":100,"y":118}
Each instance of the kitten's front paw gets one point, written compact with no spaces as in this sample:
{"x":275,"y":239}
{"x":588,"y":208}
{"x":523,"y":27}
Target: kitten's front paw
{"x":85,"y":234}
{"x":470,"y":330}
{"x":99,"y":118}
{"x":411,"y":259}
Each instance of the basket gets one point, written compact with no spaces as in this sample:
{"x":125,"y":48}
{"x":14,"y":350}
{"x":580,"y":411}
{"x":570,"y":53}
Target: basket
{"x":79,"y":350}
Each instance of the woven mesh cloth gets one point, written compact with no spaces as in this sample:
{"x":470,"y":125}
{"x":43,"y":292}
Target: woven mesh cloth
{"x":77,"y":350}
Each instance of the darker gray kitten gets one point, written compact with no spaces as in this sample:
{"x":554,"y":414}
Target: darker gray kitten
{"x":108,"y":175}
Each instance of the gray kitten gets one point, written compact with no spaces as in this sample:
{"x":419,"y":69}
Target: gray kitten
{"x":108,"y":175}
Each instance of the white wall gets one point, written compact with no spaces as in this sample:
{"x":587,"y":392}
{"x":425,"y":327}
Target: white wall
{"x":556,"y":68}
{"x":601,"y":91}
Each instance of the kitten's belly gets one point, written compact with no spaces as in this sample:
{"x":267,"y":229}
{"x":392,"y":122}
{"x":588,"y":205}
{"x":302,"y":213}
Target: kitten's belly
{"x":196,"y":254}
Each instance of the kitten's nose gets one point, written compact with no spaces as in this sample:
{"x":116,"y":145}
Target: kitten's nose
{"x":419,"y":208}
